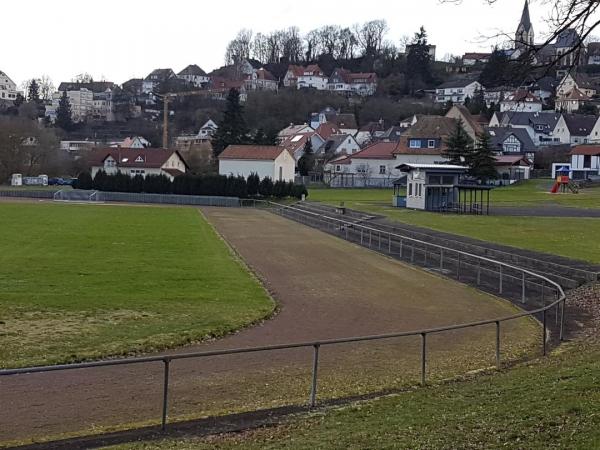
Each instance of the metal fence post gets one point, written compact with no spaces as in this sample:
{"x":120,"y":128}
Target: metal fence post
{"x":522,"y":287}
{"x":361,"y":236}
{"x":478,"y":272}
{"x":313,"y":390}
{"x":389,"y":243}
{"x":441,"y":259}
{"x":543,"y":287}
{"x":379,"y":240}
{"x":400,"y":252}
{"x":425,"y":256}
{"x":165,"y":393}
{"x":498,"y":344}
{"x":412,"y":254}
{"x":544,"y":333}
{"x":423,"y":356}
{"x":562,"y":319}
{"x":370,"y":238}
{"x":458,"y":266}
{"x":500,"y":281}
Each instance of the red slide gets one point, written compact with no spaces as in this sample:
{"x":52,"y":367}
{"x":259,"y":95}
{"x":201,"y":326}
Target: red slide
{"x":554,"y":189}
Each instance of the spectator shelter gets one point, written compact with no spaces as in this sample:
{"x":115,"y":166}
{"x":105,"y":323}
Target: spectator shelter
{"x":440,"y":188}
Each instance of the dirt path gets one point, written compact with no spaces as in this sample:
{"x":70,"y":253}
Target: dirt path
{"x":326,"y":288}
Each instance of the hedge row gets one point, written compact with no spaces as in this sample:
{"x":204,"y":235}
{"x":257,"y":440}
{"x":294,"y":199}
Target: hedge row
{"x":215,"y":185}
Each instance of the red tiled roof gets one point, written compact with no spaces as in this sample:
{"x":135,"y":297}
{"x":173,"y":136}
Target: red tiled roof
{"x":125,"y":157}
{"x":292,"y":143}
{"x":252,"y":152}
{"x":588,"y":150}
{"x":173,"y":172}
{"x":314,"y":69}
{"x":264,"y":74}
{"x":379,"y":150}
{"x":326,"y":129}
{"x":575,"y":94}
{"x":523,"y":95}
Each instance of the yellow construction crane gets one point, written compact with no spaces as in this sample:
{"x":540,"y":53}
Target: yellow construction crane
{"x":166,"y":100}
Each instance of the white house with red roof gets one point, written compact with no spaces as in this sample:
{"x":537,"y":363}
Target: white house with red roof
{"x":271,"y":161}
{"x":585,"y":161}
{"x":372,"y":166}
{"x":521,"y":101}
{"x":312,"y":77}
{"x":137,"y":161}
{"x":290,"y":78}
{"x":261,"y":80}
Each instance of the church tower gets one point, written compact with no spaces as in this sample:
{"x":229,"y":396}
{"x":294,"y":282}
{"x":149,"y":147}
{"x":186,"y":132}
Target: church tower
{"x":524,"y":38}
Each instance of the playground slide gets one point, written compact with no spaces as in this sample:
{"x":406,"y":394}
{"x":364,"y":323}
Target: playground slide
{"x":555,"y":187}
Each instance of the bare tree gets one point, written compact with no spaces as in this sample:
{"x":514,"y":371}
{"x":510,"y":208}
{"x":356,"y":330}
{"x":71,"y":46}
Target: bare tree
{"x":82,"y":78}
{"x":47,"y":87}
{"x":292,"y":47}
{"x":370,"y":36}
{"x":239,"y":48}
{"x":260,"y":48}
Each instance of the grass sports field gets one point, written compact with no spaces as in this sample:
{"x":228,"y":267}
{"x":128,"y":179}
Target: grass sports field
{"x":81,"y":282}
{"x":551,"y":403}
{"x":565,"y":236}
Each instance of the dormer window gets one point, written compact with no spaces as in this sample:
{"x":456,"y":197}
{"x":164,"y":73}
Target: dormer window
{"x":431,"y":143}
{"x":415,"y":143}
{"x":139,"y":159}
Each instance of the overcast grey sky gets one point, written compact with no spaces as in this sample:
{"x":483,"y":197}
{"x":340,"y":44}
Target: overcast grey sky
{"x":121,"y":39}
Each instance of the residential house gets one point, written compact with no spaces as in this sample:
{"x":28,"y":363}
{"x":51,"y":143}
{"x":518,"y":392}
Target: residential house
{"x":578,"y":81}
{"x":274,"y":162}
{"x":493,"y":96}
{"x":296,"y":143}
{"x":325,"y":130}
{"x":457,"y":91}
{"x":312,"y":77}
{"x":593,"y":53}
{"x":193,"y":74}
{"x":292,"y":130}
{"x":337,"y":144}
{"x":512,"y":141}
{"x":78,"y":146}
{"x":370,"y":132}
{"x":345,"y":82}
{"x":594,"y":136}
{"x":134,"y":142}
{"x":290,"y":78}
{"x":261,"y":80}
{"x":138,"y":161}
{"x":574,"y":129}
{"x":219,"y":88}
{"x":539,"y":125}
{"x":81,"y":101}
{"x":425,"y":141}
{"x":513,"y":168}
{"x":205,"y":134}
{"x":471,"y":59}
{"x":373,"y":166}
{"x":8,"y":88}
{"x":469,"y":123}
{"x":392,"y":134}
{"x":155,"y":79}
{"x":573,"y":101}
{"x":544,"y":88}
{"x":346,"y":123}
{"x":325,"y":115}
{"x":521,"y":101}
{"x":585,"y":161}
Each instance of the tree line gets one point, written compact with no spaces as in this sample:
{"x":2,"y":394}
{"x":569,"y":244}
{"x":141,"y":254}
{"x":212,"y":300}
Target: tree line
{"x":189,"y":184}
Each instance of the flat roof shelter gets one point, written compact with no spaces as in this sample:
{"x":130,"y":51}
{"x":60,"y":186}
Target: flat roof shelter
{"x":438,"y":188}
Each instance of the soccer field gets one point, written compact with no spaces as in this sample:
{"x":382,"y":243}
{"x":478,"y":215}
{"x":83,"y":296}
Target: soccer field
{"x":83,"y":282}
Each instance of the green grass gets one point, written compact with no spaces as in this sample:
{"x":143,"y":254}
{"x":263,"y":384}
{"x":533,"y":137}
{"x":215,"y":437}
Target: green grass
{"x":550,"y":403}
{"x":565,"y":236}
{"x":84,"y":282}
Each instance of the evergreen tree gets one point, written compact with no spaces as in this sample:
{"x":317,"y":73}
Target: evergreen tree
{"x":418,"y":63}
{"x":260,"y":137}
{"x":34,"y":91}
{"x":63,"y":113}
{"x":232,"y":129}
{"x":84,"y":181}
{"x":252,"y":184}
{"x":482,"y":164}
{"x":458,"y":145}
{"x":19,"y":100}
{"x":495,"y":73}
{"x":265,"y":188}
{"x":307,"y":161}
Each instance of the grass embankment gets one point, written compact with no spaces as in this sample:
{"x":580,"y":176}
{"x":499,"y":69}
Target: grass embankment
{"x":549,"y":403}
{"x":85,"y":282}
{"x":565,"y":236}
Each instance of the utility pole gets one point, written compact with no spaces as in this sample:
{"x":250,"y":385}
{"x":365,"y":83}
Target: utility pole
{"x":166,"y":99}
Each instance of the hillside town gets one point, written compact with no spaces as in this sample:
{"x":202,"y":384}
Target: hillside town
{"x":364,"y":123}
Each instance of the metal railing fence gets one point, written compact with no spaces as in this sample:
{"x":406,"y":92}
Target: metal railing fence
{"x":448,"y":258}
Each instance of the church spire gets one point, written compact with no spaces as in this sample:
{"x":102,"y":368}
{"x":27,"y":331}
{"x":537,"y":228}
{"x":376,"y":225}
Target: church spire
{"x":525,"y":19}
{"x":525,"y":36}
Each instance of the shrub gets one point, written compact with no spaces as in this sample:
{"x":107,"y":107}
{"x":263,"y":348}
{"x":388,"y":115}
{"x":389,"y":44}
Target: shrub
{"x":252,"y":184}
{"x":266,"y":187}
{"x":84,"y":181}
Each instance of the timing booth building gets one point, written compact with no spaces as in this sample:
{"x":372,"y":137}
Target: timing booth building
{"x":437,"y":187}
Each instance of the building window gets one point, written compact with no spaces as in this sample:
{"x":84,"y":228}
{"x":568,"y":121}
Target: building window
{"x":338,"y":168}
{"x":420,"y":190}
{"x":587,"y":161}
{"x":381,"y":170}
{"x":431,"y":143}
{"x":415,"y":143}
{"x":410,"y":189}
